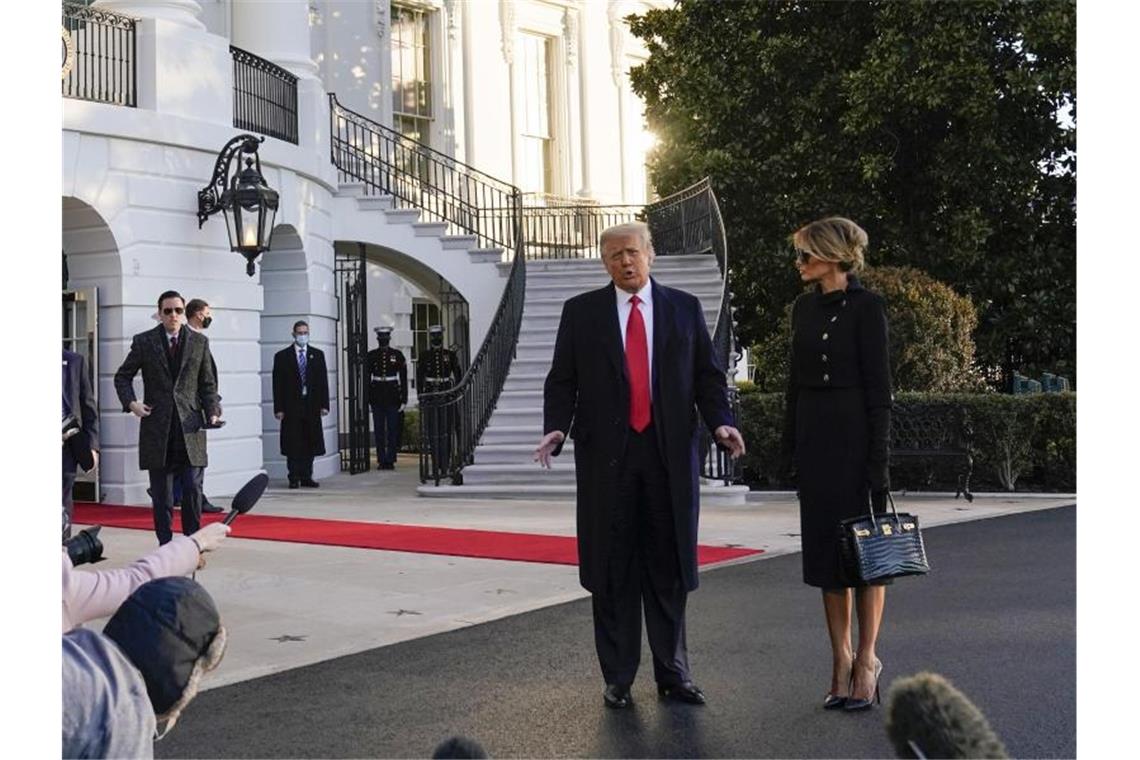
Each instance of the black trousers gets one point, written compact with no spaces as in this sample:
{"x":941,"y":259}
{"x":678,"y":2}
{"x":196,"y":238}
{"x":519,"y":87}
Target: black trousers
{"x":162,"y":499}
{"x":300,"y":468}
{"x":644,"y":571}
{"x":386,"y":428}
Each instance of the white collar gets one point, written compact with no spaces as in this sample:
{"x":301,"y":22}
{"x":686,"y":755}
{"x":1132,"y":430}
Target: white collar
{"x":645,"y":294}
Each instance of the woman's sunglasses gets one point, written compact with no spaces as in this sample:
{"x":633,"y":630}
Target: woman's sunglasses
{"x":803,"y":257}
{"x":176,"y":310}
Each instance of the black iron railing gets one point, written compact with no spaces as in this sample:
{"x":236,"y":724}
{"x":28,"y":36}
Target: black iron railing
{"x":452,"y":421}
{"x":417,"y":176}
{"x":570,"y":232}
{"x":471,"y":203}
{"x":99,"y":54}
{"x":265,"y":97}
{"x":689,"y":222}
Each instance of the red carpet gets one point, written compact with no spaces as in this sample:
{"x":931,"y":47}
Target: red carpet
{"x":455,"y":542}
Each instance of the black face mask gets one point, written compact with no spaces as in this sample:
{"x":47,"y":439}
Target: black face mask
{"x":436,"y":341}
{"x":206,"y":322}
{"x":383,"y":340}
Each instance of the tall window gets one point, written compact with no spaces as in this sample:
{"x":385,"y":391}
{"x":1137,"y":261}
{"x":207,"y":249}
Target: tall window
{"x":411,"y":73}
{"x":537,"y":169}
{"x":424,"y":315}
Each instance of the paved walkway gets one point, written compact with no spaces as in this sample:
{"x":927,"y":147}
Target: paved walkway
{"x":997,"y":617}
{"x":290,"y":605}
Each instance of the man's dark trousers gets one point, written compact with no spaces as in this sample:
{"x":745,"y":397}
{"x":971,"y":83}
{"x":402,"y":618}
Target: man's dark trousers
{"x":162,"y":489}
{"x":69,"y":465}
{"x":386,"y":427}
{"x":300,"y":468}
{"x":643,"y":569}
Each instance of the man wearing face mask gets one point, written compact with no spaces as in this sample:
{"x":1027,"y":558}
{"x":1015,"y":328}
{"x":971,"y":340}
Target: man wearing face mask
{"x":198,"y":318}
{"x":300,"y":399}
{"x":438,"y":370}
{"x":387,"y":394}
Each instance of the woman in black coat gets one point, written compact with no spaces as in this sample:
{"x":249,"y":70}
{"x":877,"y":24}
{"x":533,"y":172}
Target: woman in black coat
{"x":836,"y":432}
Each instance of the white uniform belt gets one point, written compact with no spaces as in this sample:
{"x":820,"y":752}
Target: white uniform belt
{"x":388,"y":379}
{"x":437,"y":379}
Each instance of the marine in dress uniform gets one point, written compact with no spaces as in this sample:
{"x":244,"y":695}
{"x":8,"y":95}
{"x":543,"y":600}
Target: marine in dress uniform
{"x":438,"y":370}
{"x":387,"y":394}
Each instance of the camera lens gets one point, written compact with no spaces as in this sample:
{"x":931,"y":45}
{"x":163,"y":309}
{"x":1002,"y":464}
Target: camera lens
{"x":85,"y":547}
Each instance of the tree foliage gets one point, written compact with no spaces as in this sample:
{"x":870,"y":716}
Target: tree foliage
{"x":947,"y":130}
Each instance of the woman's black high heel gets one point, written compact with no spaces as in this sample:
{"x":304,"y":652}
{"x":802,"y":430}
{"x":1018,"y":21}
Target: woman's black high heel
{"x":853,"y":704}
{"x":833,"y":702}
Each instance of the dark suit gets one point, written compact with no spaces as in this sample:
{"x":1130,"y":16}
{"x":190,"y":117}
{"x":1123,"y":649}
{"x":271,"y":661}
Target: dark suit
{"x":179,"y":389}
{"x":638,"y":493}
{"x":79,"y":401}
{"x":301,"y":403}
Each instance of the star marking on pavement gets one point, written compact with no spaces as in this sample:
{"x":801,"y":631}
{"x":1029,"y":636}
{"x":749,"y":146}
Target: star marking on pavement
{"x":286,"y":637}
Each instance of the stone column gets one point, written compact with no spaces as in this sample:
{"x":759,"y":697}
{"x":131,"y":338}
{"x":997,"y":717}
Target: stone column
{"x":181,"y":12}
{"x":277,"y":31}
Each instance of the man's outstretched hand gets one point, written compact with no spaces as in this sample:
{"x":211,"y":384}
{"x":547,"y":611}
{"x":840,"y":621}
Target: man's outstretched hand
{"x":546,"y":446}
{"x":730,"y":438}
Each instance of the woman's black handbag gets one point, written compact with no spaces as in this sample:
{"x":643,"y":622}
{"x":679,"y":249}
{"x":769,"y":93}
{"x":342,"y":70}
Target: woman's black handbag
{"x":877,"y":547}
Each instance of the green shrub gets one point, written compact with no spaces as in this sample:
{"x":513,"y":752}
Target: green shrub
{"x":1024,"y":442}
{"x":931,"y":327}
{"x":410,"y":437}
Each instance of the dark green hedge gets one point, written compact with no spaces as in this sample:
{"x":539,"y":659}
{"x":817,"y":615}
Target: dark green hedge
{"x":1024,"y":442}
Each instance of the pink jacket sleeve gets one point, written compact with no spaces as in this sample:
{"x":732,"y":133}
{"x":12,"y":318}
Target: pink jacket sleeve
{"x":97,"y":593}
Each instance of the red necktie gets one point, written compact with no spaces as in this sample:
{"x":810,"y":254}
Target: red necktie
{"x":637,"y":364}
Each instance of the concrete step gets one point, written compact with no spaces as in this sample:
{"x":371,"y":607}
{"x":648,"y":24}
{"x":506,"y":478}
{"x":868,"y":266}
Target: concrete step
{"x":486,"y":255}
{"x":516,"y":453}
{"x":561,"y":472}
{"x":459,"y":242}
{"x":519,"y":399}
{"x":429,"y":229}
{"x":375,"y":203}
{"x":525,"y":382}
{"x":517,"y":416}
{"x":521,"y":435}
{"x":402,"y":215}
{"x":351,"y":190}
{"x":710,"y":495}
{"x":534,"y":350}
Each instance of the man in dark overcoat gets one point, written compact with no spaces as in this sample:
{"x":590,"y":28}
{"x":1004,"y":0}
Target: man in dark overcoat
{"x":78,"y":402}
{"x":179,"y":395}
{"x":300,"y":399}
{"x":633,"y":365}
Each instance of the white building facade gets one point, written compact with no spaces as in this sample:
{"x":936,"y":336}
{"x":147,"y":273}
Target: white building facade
{"x":532,"y":92}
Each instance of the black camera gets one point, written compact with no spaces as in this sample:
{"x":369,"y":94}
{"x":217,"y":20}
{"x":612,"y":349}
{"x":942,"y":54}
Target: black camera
{"x":85,"y":547}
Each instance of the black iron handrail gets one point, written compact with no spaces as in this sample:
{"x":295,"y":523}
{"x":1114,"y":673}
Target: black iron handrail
{"x":472,"y":203}
{"x":443,"y":189}
{"x":568,"y":231}
{"x":99,"y":56}
{"x":265,"y":96}
{"x":690,"y":222}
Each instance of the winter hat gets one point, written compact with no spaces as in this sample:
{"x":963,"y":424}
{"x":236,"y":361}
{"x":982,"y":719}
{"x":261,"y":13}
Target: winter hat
{"x":170,"y":630}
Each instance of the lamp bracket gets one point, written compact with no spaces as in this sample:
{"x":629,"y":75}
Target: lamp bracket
{"x":210,"y":197}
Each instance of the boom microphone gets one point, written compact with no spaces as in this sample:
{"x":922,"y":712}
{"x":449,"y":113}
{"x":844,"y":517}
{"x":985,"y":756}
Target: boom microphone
{"x":928,"y":717}
{"x":247,"y":497}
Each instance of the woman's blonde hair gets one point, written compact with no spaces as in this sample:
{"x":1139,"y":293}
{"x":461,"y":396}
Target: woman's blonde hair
{"x":833,"y":239}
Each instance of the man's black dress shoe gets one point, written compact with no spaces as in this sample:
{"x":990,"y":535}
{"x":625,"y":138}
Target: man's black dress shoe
{"x":682,"y":692}
{"x":617,"y":696}
{"x":310,"y":483}
{"x":294,"y":484}
{"x":208,"y":507}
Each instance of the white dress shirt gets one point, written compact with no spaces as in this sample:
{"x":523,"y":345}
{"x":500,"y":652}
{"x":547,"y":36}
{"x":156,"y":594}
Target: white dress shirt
{"x":624,"y":307}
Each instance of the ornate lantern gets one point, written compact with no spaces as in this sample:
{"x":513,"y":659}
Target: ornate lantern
{"x":247,"y":202}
